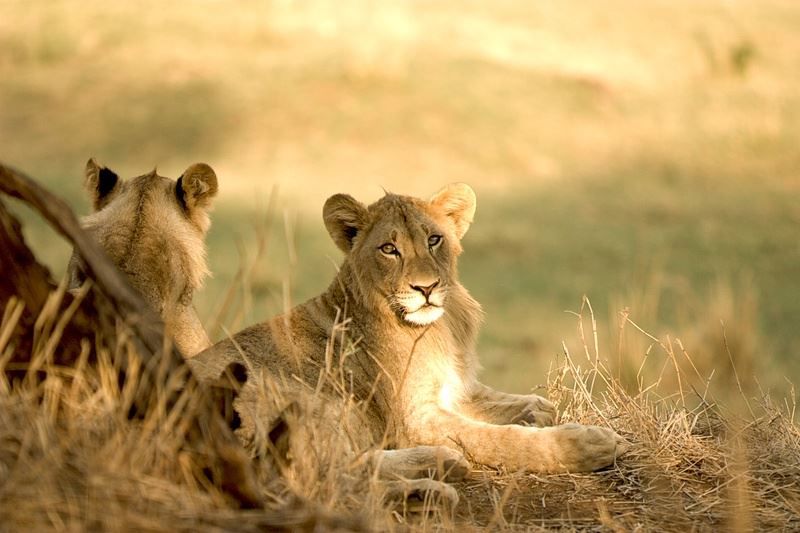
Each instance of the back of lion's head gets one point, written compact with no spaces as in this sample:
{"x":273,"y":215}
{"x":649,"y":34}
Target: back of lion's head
{"x":403,"y":250}
{"x":153,"y":228}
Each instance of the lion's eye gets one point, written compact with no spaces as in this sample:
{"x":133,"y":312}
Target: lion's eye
{"x":389,"y":249}
{"x":434,"y":240}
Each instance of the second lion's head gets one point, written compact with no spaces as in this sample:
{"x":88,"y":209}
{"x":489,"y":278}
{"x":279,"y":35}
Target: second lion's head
{"x":403,"y":250}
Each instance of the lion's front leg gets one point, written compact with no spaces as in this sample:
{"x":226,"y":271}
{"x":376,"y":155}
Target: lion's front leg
{"x":494,"y":407}
{"x":566,"y":448}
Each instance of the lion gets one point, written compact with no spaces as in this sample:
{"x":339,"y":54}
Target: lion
{"x":153,"y":229}
{"x":398,"y":332}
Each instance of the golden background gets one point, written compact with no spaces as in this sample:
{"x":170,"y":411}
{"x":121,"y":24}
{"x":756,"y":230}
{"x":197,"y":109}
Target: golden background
{"x":643,"y":154}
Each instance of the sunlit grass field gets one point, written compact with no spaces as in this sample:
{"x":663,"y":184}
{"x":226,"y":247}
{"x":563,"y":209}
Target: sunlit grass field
{"x":642,"y":154}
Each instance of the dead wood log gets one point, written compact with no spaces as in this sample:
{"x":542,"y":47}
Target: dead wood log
{"x":112,"y":300}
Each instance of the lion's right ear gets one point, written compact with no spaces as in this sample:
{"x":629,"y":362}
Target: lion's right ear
{"x":457,"y":201}
{"x":197,"y":186}
{"x":344,"y":217}
{"x":101,"y":182}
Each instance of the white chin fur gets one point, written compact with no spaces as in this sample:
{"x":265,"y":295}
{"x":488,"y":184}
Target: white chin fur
{"x":424,"y":316}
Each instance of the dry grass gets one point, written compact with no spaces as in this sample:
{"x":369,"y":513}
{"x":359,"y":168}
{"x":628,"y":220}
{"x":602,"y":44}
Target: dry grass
{"x":70,"y":459}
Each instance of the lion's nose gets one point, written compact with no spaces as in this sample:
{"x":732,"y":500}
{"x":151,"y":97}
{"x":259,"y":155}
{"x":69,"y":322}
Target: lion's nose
{"x":426,"y":289}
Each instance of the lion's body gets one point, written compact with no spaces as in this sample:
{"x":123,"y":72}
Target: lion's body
{"x":395,"y":333}
{"x":387,"y":366}
{"x":153,"y":228}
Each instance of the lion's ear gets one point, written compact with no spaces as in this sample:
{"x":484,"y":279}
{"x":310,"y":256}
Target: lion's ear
{"x":344,"y":217}
{"x":457,"y":200}
{"x":101,"y":183}
{"x":197,"y":186}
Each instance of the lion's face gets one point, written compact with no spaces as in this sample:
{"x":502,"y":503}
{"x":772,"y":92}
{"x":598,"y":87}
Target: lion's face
{"x":403,"y":250}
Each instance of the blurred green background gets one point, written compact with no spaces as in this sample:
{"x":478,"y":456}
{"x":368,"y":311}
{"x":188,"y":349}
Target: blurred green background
{"x":644,"y":154}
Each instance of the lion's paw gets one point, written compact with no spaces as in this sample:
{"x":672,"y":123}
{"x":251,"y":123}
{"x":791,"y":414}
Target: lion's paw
{"x":587,"y":448}
{"x":536,"y":411}
{"x":441,"y":462}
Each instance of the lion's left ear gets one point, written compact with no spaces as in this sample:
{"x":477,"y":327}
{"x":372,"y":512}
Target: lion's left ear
{"x":101,"y":182}
{"x":457,"y":200}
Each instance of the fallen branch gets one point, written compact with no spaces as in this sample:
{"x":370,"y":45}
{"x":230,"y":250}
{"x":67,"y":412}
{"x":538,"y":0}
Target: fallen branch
{"x":112,"y":300}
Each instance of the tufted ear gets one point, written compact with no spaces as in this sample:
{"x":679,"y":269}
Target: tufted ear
{"x":344,"y":217}
{"x":101,"y":183}
{"x":457,"y":200}
{"x":197,"y":186}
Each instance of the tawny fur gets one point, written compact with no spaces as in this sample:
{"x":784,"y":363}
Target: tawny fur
{"x":401,"y":330}
{"x":153,"y":228}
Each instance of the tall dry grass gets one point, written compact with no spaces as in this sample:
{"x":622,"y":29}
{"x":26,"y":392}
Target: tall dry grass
{"x":719,"y":344}
{"x":71,"y":459}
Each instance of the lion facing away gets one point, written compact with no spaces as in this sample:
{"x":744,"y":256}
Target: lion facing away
{"x":153,"y":229}
{"x":399,"y":331}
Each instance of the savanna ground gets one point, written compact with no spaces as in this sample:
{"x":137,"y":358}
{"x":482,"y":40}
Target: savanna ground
{"x":643,"y":154}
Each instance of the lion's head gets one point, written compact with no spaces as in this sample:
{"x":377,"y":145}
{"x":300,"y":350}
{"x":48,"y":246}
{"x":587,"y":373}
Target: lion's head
{"x":403,"y":250}
{"x":153,"y":228}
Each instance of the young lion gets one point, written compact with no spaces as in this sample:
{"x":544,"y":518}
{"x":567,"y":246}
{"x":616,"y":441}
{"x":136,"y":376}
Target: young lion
{"x":408,"y":355}
{"x":153,"y":229}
